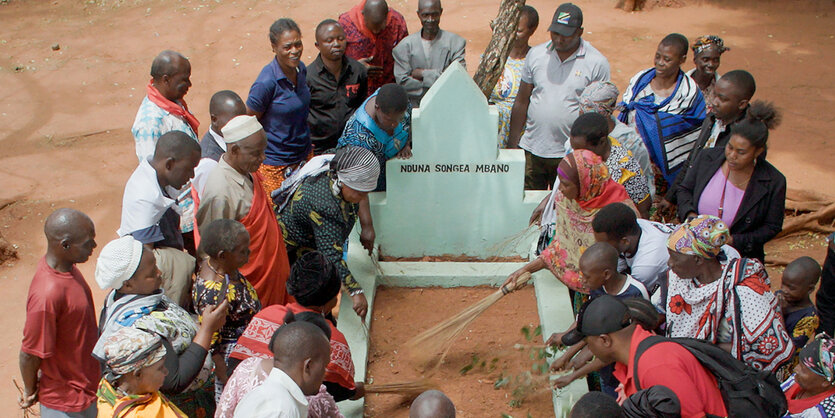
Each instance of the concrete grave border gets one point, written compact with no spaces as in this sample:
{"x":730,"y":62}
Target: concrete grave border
{"x":555,"y":312}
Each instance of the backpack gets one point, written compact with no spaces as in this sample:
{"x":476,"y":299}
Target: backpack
{"x":746,"y":392}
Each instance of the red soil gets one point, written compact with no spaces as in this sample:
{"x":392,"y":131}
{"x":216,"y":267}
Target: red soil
{"x":491,"y":336}
{"x":66,"y":113}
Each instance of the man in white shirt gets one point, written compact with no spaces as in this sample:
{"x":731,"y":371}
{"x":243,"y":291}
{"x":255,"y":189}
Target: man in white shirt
{"x":150,"y":212}
{"x":548,"y":100}
{"x":642,"y":244}
{"x":224,"y":105}
{"x":300,"y":359}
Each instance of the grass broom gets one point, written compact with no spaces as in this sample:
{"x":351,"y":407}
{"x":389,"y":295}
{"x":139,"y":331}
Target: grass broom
{"x":404,"y":388}
{"x":434,"y":343}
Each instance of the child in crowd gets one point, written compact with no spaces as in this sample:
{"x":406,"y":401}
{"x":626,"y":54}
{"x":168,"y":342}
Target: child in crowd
{"x":799,"y":281}
{"x":596,"y":405}
{"x":134,"y":371}
{"x":225,"y":243}
{"x":599,"y":274}
{"x":432,"y":404}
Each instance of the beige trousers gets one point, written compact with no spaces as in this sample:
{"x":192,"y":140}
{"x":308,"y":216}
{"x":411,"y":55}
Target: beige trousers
{"x":177,"y":268}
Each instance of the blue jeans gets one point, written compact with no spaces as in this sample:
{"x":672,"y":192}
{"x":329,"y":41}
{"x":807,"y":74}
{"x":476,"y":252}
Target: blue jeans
{"x":90,"y":412}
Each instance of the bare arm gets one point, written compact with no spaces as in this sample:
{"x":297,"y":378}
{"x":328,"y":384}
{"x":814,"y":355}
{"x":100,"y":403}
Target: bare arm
{"x":367,"y":234}
{"x":519,"y":114}
{"x":29,"y":366}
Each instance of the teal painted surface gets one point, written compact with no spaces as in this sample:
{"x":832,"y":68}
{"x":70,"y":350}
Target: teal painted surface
{"x":458,"y":194}
{"x":552,"y":304}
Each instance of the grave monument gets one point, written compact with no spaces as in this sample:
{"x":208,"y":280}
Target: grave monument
{"x":459,"y":194}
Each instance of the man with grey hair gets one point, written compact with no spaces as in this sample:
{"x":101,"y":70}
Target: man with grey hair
{"x":233,"y":191}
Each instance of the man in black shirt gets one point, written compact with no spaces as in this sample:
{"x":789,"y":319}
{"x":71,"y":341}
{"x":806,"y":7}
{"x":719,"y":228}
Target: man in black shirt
{"x":337,"y":85}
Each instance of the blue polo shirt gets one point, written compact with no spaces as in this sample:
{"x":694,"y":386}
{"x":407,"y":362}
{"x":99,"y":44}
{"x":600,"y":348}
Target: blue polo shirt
{"x":285,"y":108}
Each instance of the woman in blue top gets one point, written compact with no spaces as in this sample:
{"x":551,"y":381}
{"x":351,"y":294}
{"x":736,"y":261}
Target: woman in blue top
{"x":381,"y":125}
{"x":280,"y":99}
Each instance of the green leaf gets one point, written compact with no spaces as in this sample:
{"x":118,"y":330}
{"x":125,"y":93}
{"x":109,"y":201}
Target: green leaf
{"x":506,"y":416}
{"x":527,"y":333}
{"x":502,"y":381}
{"x":464,"y":370}
{"x":515,"y":403}
{"x":537,"y":331}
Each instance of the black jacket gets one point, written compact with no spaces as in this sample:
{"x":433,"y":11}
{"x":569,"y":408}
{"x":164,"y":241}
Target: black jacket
{"x":701,"y":143}
{"x":760,"y":214}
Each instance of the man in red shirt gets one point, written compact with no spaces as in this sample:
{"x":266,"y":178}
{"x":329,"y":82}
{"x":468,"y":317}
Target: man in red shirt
{"x":60,"y":329}
{"x":612,"y":336}
{"x":372,"y":30}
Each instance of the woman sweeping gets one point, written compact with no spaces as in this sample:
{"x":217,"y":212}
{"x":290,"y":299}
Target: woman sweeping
{"x":724,"y":301}
{"x":585,"y":187}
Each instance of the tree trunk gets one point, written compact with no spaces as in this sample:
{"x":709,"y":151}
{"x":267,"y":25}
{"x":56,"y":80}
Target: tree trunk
{"x":504,"y":34}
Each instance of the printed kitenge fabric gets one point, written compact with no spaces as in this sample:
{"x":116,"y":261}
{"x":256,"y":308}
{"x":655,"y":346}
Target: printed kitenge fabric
{"x":116,"y":404}
{"x":243,"y":305}
{"x":316,"y":219}
{"x":625,"y":170}
{"x":362,"y":131}
{"x":362,"y":43}
{"x":802,"y":326}
{"x":572,"y":228}
{"x":738,"y":308}
{"x":669,"y":127}
{"x":504,"y":94}
{"x":256,"y":339}
{"x":819,"y":406}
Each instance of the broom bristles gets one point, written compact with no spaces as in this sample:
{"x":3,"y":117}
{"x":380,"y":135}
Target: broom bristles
{"x":414,"y":387}
{"x":437,"y":340}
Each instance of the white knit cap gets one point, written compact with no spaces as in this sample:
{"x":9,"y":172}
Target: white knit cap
{"x":117,"y":262}
{"x":240,"y":127}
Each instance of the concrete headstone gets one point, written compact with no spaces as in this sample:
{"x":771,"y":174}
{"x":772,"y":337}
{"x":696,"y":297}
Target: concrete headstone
{"x":459,"y":194}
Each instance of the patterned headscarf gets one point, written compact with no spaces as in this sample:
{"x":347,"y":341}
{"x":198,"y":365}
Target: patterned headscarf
{"x":599,"y":97}
{"x":819,"y":356}
{"x":356,"y":167}
{"x":130,"y":349}
{"x":703,"y":236}
{"x":704,"y":42}
{"x":592,"y":172}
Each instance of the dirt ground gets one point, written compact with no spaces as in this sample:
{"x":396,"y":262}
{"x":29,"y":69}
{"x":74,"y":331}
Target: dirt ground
{"x":463,"y":377}
{"x":67,"y":112}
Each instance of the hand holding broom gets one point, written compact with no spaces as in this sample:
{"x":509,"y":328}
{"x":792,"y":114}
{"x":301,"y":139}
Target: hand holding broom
{"x":435,"y":342}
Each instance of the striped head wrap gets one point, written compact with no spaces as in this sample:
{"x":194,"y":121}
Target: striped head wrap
{"x":819,"y":356}
{"x":356,"y":167}
{"x":599,"y":97}
{"x":702,"y":236}
{"x":704,"y":42}
{"x":130,"y":349}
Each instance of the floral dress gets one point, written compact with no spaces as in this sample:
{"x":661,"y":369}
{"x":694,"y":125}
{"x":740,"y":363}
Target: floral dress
{"x":504,"y":94}
{"x":243,"y":305}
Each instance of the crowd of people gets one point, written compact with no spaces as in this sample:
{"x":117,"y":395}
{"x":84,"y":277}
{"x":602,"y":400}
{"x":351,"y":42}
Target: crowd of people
{"x":232,"y":249}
